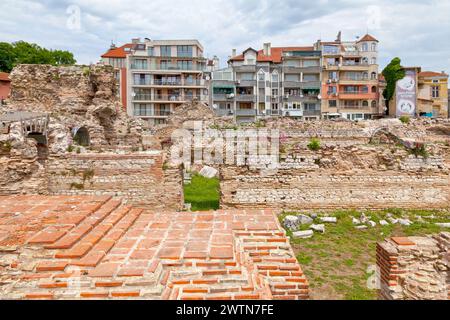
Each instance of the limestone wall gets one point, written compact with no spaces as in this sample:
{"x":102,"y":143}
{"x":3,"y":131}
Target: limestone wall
{"x":415,"y":268}
{"x":140,"y":179}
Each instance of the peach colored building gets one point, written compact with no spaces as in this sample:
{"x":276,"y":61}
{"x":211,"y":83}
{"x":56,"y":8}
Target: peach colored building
{"x":350,"y":78}
{"x":5,"y":86}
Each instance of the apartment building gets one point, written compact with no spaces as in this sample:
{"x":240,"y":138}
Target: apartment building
{"x":433,"y":86}
{"x":274,"y":81}
{"x":157,"y":76}
{"x":350,"y":78}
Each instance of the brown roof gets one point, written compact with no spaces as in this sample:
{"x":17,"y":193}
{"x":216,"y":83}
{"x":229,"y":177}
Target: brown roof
{"x":432,"y":74}
{"x":367,"y":37}
{"x":276,"y":54}
{"x":96,"y":247}
{"x":117,"y":52}
{"x":4,"y":77}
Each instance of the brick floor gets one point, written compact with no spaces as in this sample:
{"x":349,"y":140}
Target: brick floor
{"x":84,"y":247}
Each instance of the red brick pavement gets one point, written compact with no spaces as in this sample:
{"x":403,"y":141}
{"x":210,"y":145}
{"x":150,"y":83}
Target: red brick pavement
{"x":71,"y":247}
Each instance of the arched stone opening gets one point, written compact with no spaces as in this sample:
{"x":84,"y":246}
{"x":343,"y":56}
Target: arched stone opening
{"x":81,"y":137}
{"x":42,"y":144}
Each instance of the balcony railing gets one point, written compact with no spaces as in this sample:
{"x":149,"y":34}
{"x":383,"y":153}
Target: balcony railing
{"x":143,"y":97}
{"x":151,"y":113}
{"x":246,"y":97}
{"x":245,"y":112}
{"x":168,"y":67}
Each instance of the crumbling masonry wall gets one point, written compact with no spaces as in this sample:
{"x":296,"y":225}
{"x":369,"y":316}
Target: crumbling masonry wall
{"x":414,"y":268}
{"x":141,"y":179}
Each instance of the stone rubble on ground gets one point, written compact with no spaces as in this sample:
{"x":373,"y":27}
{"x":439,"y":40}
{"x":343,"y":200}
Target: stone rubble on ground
{"x":364,"y":218}
{"x":303,"y":234}
{"x":372,"y":223}
{"x":362,"y":227}
{"x":405,"y":222}
{"x":291,"y":222}
{"x":329,"y":219}
{"x":209,"y":172}
{"x":443,"y":225}
{"x":318,"y":227}
{"x":305,"y":219}
{"x":384,"y":223}
{"x":356,"y":221}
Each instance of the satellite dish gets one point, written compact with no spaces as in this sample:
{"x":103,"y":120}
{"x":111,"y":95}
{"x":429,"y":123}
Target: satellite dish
{"x":319,"y":97}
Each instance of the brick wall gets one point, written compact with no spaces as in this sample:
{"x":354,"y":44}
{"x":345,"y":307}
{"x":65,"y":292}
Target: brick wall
{"x":140,"y":179}
{"x":414,"y":268}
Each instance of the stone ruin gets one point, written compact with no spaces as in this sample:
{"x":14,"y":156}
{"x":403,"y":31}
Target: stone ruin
{"x":89,"y":145}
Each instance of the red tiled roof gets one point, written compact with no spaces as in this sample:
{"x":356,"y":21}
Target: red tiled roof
{"x":117,"y":52}
{"x":276,"y":54}
{"x":367,"y":37}
{"x":432,"y":74}
{"x":4,"y":76}
{"x":96,"y":247}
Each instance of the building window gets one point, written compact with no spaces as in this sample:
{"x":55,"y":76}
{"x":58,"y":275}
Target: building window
{"x":365,"y":103}
{"x":184,"y":64}
{"x":332,"y":103}
{"x":365,"y":47}
{"x":435,"y":92}
{"x":142,"y":109}
{"x":374,"y":104}
{"x":140,"y":64}
{"x":374,"y":89}
{"x":332,"y":89}
{"x":275,"y":77}
{"x":373,"y":76}
{"x":274,"y":92}
{"x":274,"y":106}
{"x":166,"y":51}
{"x":251,"y":62}
{"x":184,"y":51}
{"x":261,"y":76}
{"x":150,"y":51}
{"x":373,"y":61}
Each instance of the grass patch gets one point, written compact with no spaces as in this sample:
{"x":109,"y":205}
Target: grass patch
{"x":202,"y":193}
{"x":337,"y":262}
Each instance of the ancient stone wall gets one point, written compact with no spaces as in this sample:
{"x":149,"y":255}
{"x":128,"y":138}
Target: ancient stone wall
{"x":415,"y":268}
{"x":140,"y":178}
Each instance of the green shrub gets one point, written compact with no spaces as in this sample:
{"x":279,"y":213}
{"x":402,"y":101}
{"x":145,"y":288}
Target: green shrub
{"x":314,"y":144}
{"x":404,"y":119}
{"x":70,"y":148}
{"x":420,"y":150}
{"x":77,"y":186}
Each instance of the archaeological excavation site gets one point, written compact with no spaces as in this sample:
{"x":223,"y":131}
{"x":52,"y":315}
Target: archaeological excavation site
{"x":95,"y":205}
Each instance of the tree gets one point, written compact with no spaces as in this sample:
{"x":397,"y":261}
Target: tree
{"x":22,"y":52}
{"x":392,"y":73}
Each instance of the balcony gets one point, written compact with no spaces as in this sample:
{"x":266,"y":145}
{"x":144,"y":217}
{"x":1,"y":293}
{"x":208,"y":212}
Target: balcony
{"x":143,"y":97}
{"x":292,"y":113}
{"x":172,"y":97}
{"x":245,"y":68}
{"x":274,"y":112}
{"x":311,"y":112}
{"x":223,"y":112}
{"x":301,"y":98}
{"x":223,"y":97}
{"x":246,"y":112}
{"x":246,"y":98}
{"x":246,"y":83}
{"x":168,"y":67}
{"x":352,"y":95}
{"x":151,"y":113}
{"x":294,"y":70}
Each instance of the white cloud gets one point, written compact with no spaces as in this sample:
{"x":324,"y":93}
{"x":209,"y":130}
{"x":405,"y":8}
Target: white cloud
{"x":417,"y":31}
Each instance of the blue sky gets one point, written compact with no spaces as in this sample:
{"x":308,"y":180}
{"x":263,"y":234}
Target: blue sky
{"x":416,"y":31}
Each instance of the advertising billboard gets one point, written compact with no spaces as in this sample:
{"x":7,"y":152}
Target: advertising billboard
{"x":406,"y":94}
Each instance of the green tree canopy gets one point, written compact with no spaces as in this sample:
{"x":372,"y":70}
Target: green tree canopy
{"x":392,"y":73}
{"x":21,"y":52}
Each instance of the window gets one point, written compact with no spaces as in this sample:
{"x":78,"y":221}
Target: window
{"x":150,"y":51}
{"x":261,"y":76}
{"x":246,"y":76}
{"x":292,"y":92}
{"x":333,"y":75}
{"x":435,"y":81}
{"x":184,"y":64}
{"x":166,"y":51}
{"x":373,"y":60}
{"x":332,"y":103}
{"x":365,"y":47}
{"x":274,"y":92}
{"x":274,"y":77}
{"x":374,"y":104}
{"x":141,"y":79}
{"x":310,"y":77}
{"x":365,"y":103}
{"x":310,"y":106}
{"x":184,"y":51}
{"x":292,"y":63}
{"x":332,"y":89}
{"x":251,"y":61}
{"x":330,"y":49}
{"x":373,"y":76}
{"x":310,"y":63}
{"x":435,"y":91}
{"x":143,"y":109}
{"x":373,"y":47}
{"x":292,"y":77}
{"x":140,"y":64}
{"x":374,"y":89}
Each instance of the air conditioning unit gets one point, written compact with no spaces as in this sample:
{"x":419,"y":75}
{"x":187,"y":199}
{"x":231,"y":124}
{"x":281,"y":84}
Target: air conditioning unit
{"x":286,"y":96}
{"x":230,"y":96}
{"x":329,"y":81}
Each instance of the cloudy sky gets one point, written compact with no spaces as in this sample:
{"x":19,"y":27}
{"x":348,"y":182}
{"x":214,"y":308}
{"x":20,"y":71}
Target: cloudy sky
{"x":418,"y":31}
